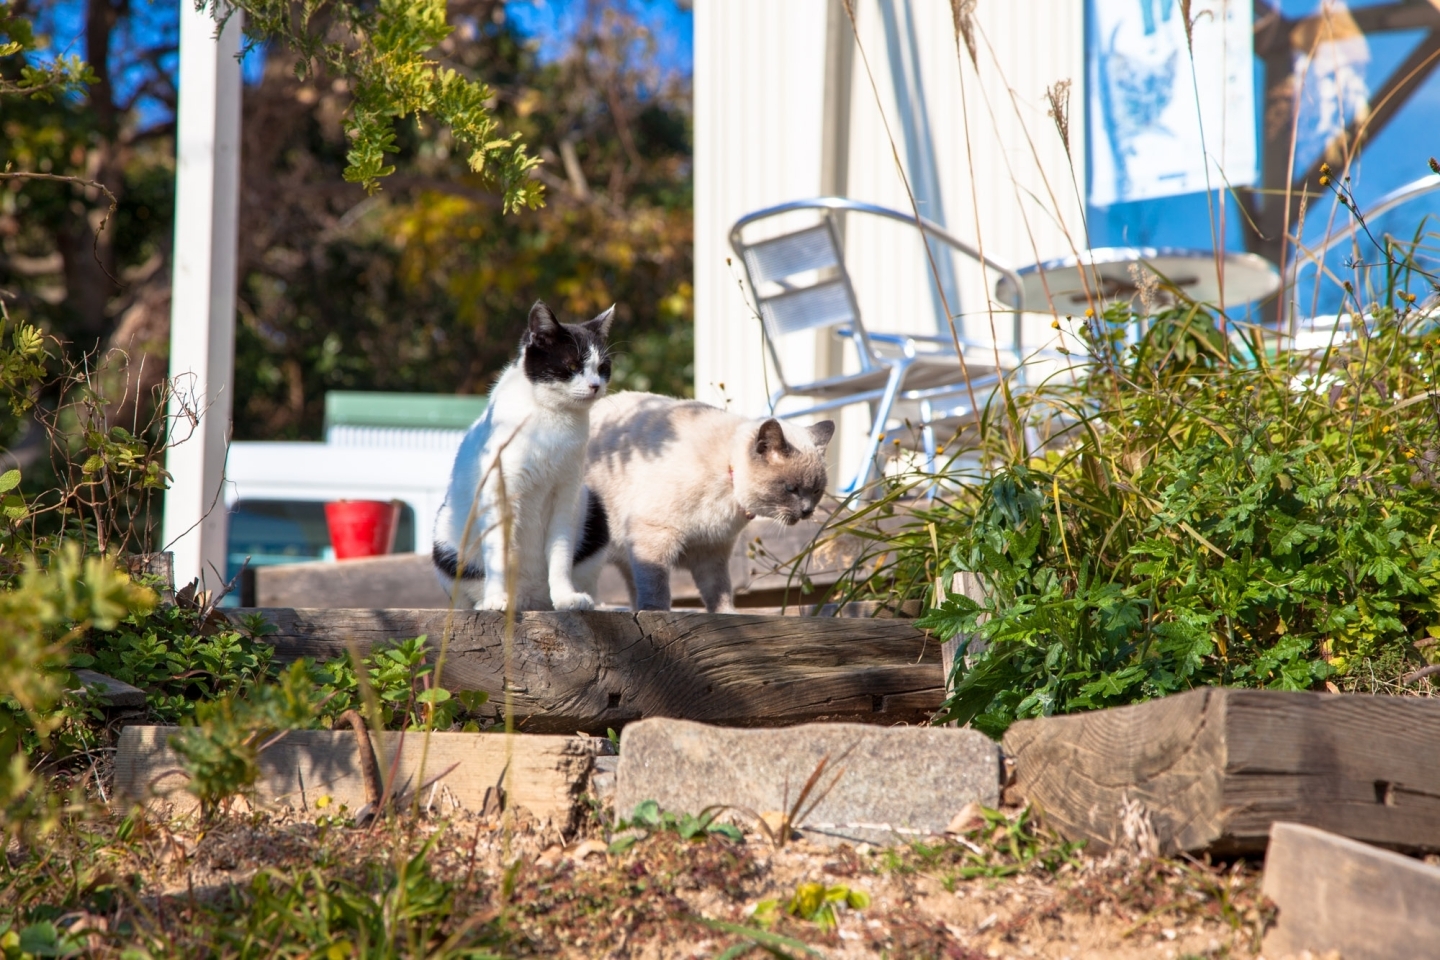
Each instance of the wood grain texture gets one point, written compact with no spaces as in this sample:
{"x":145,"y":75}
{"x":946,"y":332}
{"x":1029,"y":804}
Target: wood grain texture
{"x":589,"y":671}
{"x":1337,"y":894}
{"x":1214,"y":768}
{"x":546,"y":775}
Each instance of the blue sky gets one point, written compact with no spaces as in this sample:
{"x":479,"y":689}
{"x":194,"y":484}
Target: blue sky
{"x":153,"y":24}
{"x":552,"y":21}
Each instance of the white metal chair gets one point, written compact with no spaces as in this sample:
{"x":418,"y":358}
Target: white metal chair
{"x":1332,"y":325}
{"x":799,"y":282}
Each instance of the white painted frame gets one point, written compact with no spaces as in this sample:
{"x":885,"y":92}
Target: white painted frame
{"x":202,"y":307}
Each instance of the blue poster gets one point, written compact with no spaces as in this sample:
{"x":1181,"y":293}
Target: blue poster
{"x":1166,"y":112}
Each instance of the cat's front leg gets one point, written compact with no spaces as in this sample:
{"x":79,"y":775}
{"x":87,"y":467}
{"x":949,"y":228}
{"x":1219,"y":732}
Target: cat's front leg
{"x":493,"y":553}
{"x":711,"y":569}
{"x":560,"y":548}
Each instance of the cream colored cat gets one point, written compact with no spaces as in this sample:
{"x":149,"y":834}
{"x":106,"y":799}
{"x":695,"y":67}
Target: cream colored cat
{"x":673,"y":482}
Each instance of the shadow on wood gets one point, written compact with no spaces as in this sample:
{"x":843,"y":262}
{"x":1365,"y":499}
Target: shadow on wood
{"x":589,"y":671}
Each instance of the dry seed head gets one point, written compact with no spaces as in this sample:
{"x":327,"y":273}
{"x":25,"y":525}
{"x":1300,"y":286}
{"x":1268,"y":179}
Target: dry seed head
{"x":963,"y":12}
{"x":1058,"y":94}
{"x":1434,"y":166}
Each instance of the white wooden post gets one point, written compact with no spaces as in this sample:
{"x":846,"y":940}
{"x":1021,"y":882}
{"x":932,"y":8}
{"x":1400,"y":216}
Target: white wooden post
{"x":202,"y":306}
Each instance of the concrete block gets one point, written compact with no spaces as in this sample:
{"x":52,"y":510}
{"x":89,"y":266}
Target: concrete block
{"x":894,"y":783}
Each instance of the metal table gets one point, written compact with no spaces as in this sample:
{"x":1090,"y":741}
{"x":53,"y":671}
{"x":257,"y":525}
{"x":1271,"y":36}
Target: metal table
{"x":1106,"y":272}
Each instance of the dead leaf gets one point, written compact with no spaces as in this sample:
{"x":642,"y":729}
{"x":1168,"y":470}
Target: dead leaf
{"x":966,"y":820}
{"x":579,"y":851}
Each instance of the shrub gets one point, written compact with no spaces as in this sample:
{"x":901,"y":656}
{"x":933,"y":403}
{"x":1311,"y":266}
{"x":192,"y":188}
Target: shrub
{"x":1208,"y":510}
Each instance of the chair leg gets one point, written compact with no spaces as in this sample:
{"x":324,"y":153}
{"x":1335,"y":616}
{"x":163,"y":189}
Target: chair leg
{"x":927,"y":434}
{"x":877,"y":430}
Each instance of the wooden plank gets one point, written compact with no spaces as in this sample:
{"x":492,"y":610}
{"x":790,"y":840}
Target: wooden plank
{"x":1214,"y":768}
{"x":1335,"y":894}
{"x":588,"y":671}
{"x":969,"y":585}
{"x":403,"y":580}
{"x":545,"y":775}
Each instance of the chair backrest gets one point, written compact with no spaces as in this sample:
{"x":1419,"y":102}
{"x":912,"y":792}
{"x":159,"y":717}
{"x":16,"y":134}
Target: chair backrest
{"x":799,"y":283}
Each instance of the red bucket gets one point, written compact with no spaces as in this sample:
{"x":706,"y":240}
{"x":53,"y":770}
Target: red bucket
{"x":362,"y":528}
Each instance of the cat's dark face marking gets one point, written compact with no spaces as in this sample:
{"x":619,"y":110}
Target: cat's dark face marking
{"x":567,"y":360}
{"x":786,"y":482}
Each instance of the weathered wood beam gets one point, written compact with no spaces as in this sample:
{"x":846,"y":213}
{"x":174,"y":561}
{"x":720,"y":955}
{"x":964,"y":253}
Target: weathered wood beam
{"x":1212,"y":769}
{"x":587,"y":671}
{"x":1334,"y":894}
{"x":444,"y":772}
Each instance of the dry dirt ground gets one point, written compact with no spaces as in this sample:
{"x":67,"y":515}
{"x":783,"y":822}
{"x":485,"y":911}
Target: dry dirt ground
{"x":513,"y":888}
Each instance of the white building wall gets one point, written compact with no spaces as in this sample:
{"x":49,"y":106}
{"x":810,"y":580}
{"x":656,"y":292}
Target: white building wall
{"x":759,"y":69}
{"x":758,"y":106}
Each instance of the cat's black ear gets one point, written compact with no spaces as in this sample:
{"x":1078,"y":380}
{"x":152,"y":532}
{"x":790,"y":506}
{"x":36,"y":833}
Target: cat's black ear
{"x":821,"y":433}
{"x":543,"y":324}
{"x":770,"y":441}
{"x":600,"y":326}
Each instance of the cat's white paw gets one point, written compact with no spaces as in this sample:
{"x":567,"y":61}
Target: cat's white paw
{"x":572,"y":601}
{"x":492,"y":603}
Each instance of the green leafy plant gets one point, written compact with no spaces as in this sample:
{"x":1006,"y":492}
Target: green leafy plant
{"x":177,"y":660}
{"x":221,"y":752}
{"x":648,"y":820}
{"x":404,"y":685}
{"x":383,"y":54}
{"x":1205,"y":511}
{"x":41,"y":80}
{"x":41,"y":614}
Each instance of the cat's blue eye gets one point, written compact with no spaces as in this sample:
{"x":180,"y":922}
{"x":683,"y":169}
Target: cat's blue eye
{"x":791,"y":488}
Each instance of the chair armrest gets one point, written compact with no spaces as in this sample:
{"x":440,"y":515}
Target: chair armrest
{"x":909,"y":339}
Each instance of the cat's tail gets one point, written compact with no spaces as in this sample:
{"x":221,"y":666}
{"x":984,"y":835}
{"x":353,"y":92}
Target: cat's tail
{"x":591,"y":542}
{"x":447,"y":569}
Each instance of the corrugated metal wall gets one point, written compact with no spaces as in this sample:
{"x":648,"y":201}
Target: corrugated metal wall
{"x":759,"y":70}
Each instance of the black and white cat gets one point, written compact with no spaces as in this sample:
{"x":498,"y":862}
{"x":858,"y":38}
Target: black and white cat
{"x":530,"y":444}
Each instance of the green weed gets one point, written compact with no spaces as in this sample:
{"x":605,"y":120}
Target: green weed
{"x":648,"y":820}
